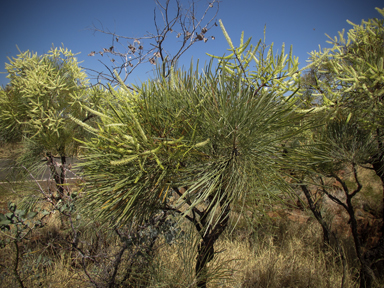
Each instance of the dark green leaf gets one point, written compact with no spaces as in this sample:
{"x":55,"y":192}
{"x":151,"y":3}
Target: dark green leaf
{"x":2,"y":217}
{"x":5,"y":222}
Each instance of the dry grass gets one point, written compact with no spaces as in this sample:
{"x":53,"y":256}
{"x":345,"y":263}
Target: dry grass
{"x":287,"y":255}
{"x":296,"y":261}
{"x":10,"y":150}
{"x":278,"y":254}
{"x":173,"y":266}
{"x":280,"y":258}
{"x":294,"y":258}
{"x":259,"y":253}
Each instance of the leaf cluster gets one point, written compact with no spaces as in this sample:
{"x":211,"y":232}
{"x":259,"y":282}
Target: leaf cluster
{"x":356,"y":65}
{"x":18,"y":222}
{"x":217,"y":133}
{"x":40,"y":96}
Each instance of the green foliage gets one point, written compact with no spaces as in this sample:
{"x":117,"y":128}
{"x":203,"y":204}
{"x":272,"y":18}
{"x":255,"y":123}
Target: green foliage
{"x":344,"y":88}
{"x":349,"y":82}
{"x":277,"y":73}
{"x":218,"y":133}
{"x":338,"y":144}
{"x":17,"y":218}
{"x":40,"y":96}
{"x":356,"y":63}
{"x":16,"y":226}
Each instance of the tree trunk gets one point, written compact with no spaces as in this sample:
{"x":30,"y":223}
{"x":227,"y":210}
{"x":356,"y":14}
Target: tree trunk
{"x":366,"y":274}
{"x":316,"y":212}
{"x":378,"y":165}
{"x":56,"y":176}
{"x":206,"y":249}
{"x":375,"y":255}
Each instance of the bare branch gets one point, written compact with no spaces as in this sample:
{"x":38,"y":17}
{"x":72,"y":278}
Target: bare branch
{"x":127,"y":55}
{"x":359,"y":186}
{"x":330,"y":196}
{"x":46,"y":196}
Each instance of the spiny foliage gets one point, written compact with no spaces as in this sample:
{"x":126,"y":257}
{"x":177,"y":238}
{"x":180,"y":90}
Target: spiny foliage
{"x":218,"y":133}
{"x":39,"y":97}
{"x":356,"y":66}
{"x":278,"y":73}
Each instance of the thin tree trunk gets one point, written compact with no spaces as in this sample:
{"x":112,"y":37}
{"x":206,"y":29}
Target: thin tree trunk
{"x":316,"y":212}
{"x":59,"y":178}
{"x":16,"y":267}
{"x":326,"y":231}
{"x":376,"y":254}
{"x":378,"y":166}
{"x":206,"y":249}
{"x":366,"y":273}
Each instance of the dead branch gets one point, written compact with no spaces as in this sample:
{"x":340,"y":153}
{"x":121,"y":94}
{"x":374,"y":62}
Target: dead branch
{"x":170,"y":18}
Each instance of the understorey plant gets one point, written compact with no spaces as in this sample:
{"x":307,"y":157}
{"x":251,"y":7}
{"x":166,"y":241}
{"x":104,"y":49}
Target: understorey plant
{"x":17,"y":226}
{"x":347,"y":80}
{"x":341,"y":143}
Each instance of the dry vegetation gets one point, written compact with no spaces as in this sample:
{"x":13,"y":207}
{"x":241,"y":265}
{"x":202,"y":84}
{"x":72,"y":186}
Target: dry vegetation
{"x":286,"y":254}
{"x":10,"y":150}
{"x":273,"y":249}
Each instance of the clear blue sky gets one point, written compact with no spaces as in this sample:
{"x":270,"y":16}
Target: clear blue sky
{"x":36,"y":25}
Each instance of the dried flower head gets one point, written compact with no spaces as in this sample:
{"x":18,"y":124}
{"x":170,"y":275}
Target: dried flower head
{"x":152,"y":61}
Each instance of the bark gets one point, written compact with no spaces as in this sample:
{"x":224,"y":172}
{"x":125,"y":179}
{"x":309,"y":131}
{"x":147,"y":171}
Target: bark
{"x":378,"y":167}
{"x":326,"y":230}
{"x":366,"y":273}
{"x":59,"y":178}
{"x":374,"y":257}
{"x":206,"y":249}
{"x":316,"y":212}
{"x":16,"y":267}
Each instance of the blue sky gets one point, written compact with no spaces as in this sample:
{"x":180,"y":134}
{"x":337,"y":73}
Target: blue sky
{"x":36,"y":25}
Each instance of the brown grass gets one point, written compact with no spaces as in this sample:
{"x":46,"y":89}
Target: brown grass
{"x":294,"y":258}
{"x":10,"y":150}
{"x":286,"y":255}
{"x":259,"y":252}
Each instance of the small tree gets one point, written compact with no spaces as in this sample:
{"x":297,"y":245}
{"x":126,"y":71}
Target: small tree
{"x":194,"y":143}
{"x":42,"y":92}
{"x":356,"y":85}
{"x":340,"y":144}
{"x":346,"y":84}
